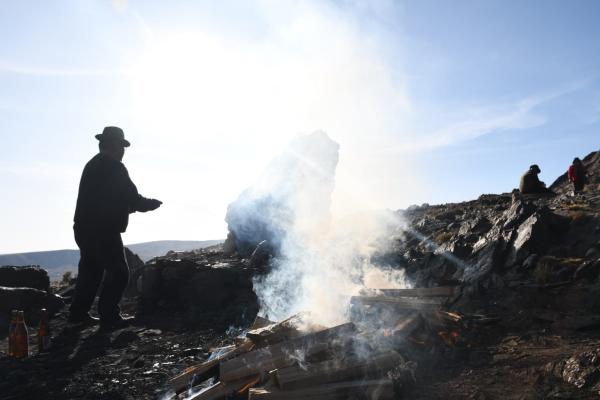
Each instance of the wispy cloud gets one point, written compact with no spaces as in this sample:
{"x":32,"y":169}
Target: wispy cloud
{"x":474,"y":122}
{"x":10,"y":68}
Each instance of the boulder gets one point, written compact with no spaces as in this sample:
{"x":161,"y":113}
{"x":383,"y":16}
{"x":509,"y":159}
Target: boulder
{"x":484,"y":261}
{"x":478,"y":226}
{"x":136,"y":266}
{"x":518,"y":212}
{"x":199,"y":287}
{"x":589,"y":270}
{"x":31,"y":276}
{"x":535,"y":235}
{"x":457,"y":247}
{"x":29,"y":300}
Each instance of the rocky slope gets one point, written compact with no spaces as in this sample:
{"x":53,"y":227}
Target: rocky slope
{"x":528,"y":265}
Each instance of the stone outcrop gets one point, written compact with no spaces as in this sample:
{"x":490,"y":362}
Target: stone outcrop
{"x":194,"y":284}
{"x":32,"y":276}
{"x":296,"y":185}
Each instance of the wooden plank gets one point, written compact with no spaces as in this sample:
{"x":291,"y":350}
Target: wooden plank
{"x":381,"y":389}
{"x":260,"y":322}
{"x":292,"y":327}
{"x":348,"y":369}
{"x":275,"y":332}
{"x":283,"y":354}
{"x":405,"y":326}
{"x":268,"y":362}
{"x":222,"y":389}
{"x":441,"y":291}
{"x":206,"y":369}
{"x":400,"y":302}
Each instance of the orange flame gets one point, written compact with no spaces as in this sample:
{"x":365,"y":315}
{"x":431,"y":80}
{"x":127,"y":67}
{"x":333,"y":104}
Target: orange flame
{"x":243,"y":391}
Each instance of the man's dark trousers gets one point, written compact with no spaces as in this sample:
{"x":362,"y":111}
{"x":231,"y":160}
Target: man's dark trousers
{"x":101,"y":254}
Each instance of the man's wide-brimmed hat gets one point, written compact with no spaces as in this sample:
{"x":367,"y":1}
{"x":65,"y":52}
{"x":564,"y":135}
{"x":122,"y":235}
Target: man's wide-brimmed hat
{"x":113,"y":134}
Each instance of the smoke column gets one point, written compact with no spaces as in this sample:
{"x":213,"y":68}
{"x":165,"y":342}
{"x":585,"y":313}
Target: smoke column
{"x":319,"y":262}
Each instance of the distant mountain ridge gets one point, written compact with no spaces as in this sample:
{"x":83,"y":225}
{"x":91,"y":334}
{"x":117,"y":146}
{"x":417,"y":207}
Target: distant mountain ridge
{"x":57,"y":262}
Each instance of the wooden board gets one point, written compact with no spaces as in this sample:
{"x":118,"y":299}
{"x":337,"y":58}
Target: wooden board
{"x":221,"y":390}
{"x":372,"y":389}
{"x":206,"y":369}
{"x":277,"y":332}
{"x":351,"y":368}
{"x":283,"y":354}
{"x":442,"y":291}
{"x":406,"y":303}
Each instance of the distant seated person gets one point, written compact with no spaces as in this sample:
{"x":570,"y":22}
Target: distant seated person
{"x":577,"y":175}
{"x":530,"y":183}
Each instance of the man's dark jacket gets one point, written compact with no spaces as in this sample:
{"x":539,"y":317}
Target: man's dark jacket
{"x":530,"y":183}
{"x":106,"y":197}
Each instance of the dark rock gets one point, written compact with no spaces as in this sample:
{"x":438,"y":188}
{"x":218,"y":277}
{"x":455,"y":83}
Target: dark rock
{"x":593,"y":252}
{"x":479,"y":226}
{"x":136,"y":266}
{"x":583,"y":369}
{"x":29,"y":300}
{"x":535,"y":235}
{"x":27,"y":276}
{"x":576,"y":324}
{"x":518,"y":212}
{"x":458,"y":248}
{"x":229,"y":247}
{"x":190,"y":285}
{"x":125,"y":338}
{"x":530,"y":262}
{"x":150,"y":282}
{"x":436,"y":269}
{"x":589,"y":270}
{"x":261,"y":255}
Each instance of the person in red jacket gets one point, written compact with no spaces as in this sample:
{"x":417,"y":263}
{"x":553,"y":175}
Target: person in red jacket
{"x":577,"y":175}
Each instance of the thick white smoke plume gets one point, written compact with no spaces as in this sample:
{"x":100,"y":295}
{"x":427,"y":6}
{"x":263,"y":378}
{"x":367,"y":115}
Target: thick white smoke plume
{"x":319,"y":262}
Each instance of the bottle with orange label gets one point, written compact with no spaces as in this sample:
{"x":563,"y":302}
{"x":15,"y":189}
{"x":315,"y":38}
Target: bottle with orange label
{"x":44,"y":338}
{"x":21,"y":337}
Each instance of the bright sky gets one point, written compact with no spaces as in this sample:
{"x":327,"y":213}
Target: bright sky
{"x":431,"y":101}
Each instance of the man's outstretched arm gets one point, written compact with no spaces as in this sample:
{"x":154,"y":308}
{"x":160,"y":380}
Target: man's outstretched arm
{"x":136,"y":201}
{"x":143,"y":204}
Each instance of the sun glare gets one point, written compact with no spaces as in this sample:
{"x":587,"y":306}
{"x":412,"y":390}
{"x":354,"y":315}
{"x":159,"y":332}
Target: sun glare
{"x":201,"y":86}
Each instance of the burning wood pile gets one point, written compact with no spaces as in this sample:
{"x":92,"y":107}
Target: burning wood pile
{"x":296,"y":359}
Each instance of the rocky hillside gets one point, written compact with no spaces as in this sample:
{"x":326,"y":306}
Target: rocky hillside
{"x":531,"y":261}
{"x":526,"y":267}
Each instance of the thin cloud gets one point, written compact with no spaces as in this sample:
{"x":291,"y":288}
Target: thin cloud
{"x":48,"y":71}
{"x":481,"y":121}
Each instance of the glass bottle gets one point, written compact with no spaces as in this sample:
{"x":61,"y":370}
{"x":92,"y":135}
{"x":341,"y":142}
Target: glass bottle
{"x":44,"y":337}
{"x":11,"y":333}
{"x":21,"y":342}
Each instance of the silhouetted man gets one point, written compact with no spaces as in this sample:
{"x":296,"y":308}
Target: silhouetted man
{"x":530,"y":183}
{"x":106,"y":198}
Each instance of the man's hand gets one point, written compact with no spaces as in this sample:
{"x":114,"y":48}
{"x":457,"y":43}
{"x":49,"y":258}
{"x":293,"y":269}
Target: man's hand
{"x":143,"y":204}
{"x":153,"y":204}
